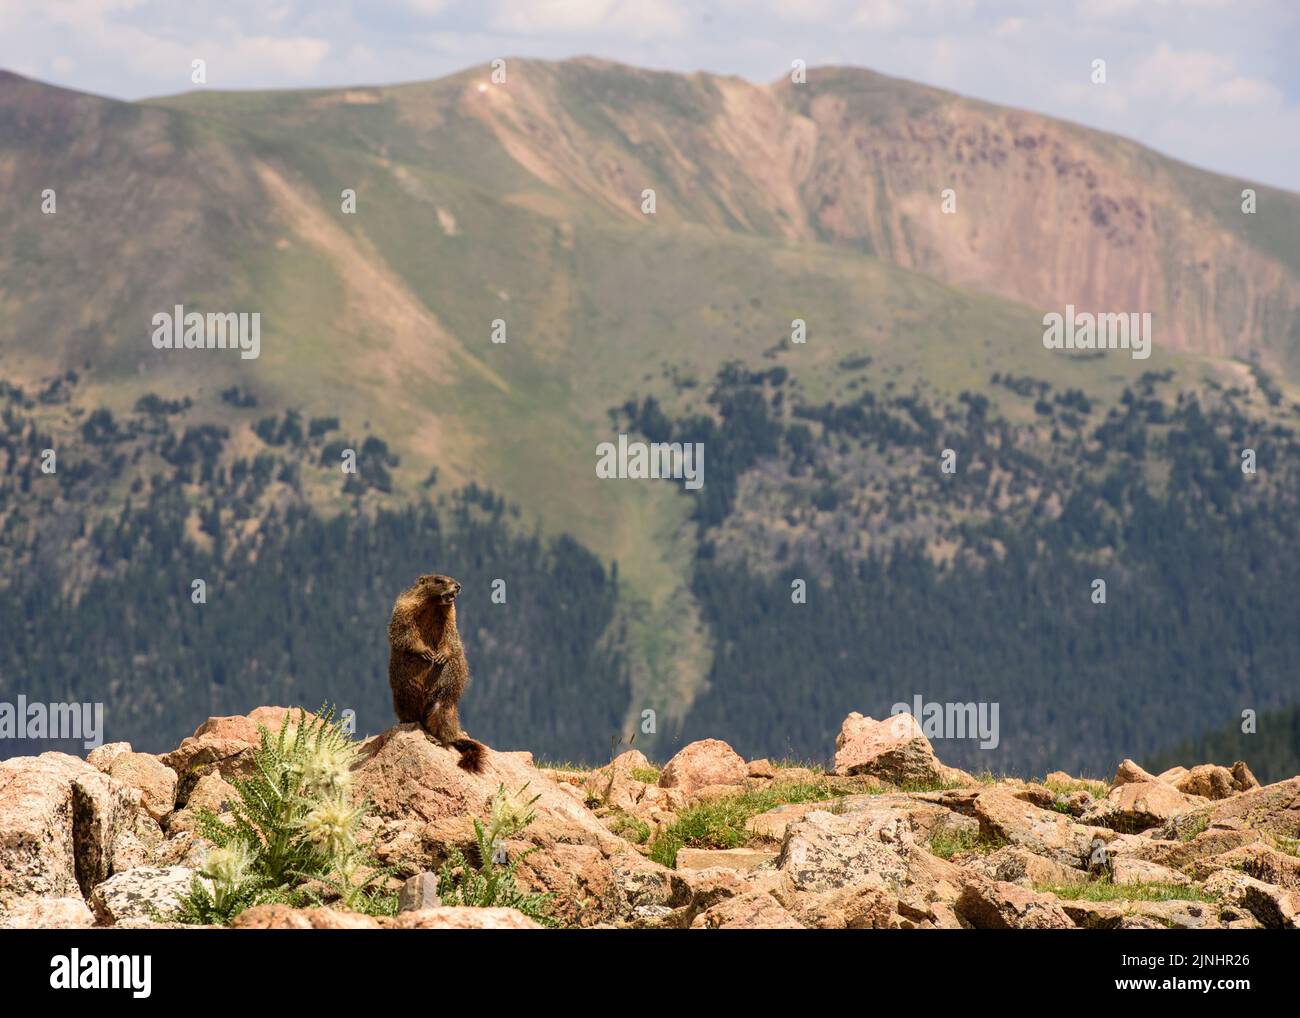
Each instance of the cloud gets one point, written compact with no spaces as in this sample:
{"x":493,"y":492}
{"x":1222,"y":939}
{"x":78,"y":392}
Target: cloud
{"x":588,"y":17}
{"x":1202,"y":77}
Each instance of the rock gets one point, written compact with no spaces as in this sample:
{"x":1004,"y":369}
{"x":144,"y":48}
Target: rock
{"x":761,"y":770}
{"x":756,"y":910}
{"x":581,"y":880}
{"x":138,"y":844}
{"x":420,"y":891}
{"x":282,"y":917}
{"x":46,"y":914}
{"x":156,"y":781}
{"x":147,"y":892}
{"x":1139,"y":805}
{"x":825,"y":852}
{"x":1004,"y":816}
{"x":731,"y":858}
{"x":103,"y":811}
{"x":59,"y":819}
{"x":1242,"y":778}
{"x":1258,"y":860}
{"x":1015,"y":865}
{"x":36,"y":850}
{"x":1178,"y":854}
{"x":1171,"y":775}
{"x":1059,"y":778}
{"x":1209,"y":781}
{"x":894,"y":750}
{"x":1272,"y":906}
{"x":859,"y":907}
{"x":226,"y":744}
{"x":422,"y":801}
{"x":1128,"y":772}
{"x":211,"y":791}
{"x":1273,"y":809}
{"x":994,"y":905}
{"x":707,"y":762}
{"x":1126,"y":869}
{"x":102,"y":757}
{"x":614,"y":784}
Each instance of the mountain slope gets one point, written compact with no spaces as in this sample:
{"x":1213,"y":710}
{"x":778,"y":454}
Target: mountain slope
{"x":521,"y":202}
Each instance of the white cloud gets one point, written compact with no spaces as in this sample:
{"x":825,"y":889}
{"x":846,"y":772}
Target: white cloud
{"x":586,"y":17}
{"x":1202,"y":77}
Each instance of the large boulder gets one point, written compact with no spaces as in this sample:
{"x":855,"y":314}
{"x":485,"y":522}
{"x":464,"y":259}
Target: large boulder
{"x":59,"y":820}
{"x":826,"y":852}
{"x":994,"y":905}
{"x":1210,"y":781}
{"x":38,"y":913}
{"x":1013,"y":816}
{"x":423,"y":804}
{"x":894,"y":750}
{"x":1273,"y":907}
{"x":225,"y":744}
{"x":149,"y":893}
{"x":755,"y":910}
{"x":703,"y":763}
{"x":1140,"y":805}
{"x":155,"y":780}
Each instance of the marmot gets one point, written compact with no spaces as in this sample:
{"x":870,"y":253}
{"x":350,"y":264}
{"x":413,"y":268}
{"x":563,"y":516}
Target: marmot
{"x":426,"y":664}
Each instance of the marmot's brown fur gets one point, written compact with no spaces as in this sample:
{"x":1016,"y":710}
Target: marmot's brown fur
{"x":426,"y":664}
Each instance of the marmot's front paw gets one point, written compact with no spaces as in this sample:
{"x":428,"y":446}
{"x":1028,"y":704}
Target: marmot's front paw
{"x":437,"y":657}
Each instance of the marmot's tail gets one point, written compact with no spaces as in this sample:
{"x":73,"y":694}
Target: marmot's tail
{"x":471,"y":754}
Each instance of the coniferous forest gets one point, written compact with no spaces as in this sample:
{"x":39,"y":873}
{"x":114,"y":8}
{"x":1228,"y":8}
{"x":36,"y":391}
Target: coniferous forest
{"x":975,"y":586}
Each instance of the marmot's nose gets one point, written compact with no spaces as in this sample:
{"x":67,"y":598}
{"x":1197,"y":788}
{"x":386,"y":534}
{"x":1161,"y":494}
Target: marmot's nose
{"x":457,"y":587}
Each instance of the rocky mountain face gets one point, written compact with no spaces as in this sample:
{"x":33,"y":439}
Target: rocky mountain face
{"x":522,"y":203}
{"x":889,"y":838}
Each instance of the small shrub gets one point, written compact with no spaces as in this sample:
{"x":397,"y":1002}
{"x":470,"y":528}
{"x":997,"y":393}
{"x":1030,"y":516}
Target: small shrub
{"x":492,"y":882}
{"x":293,"y":831}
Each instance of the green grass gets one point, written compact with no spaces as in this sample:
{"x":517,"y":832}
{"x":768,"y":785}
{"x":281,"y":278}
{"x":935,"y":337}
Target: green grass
{"x":1195,"y":827}
{"x":650,"y":775}
{"x":634,"y":829}
{"x":722,"y":822}
{"x":566,"y":765}
{"x":1097,"y":789}
{"x":1104,"y":890}
{"x":946,"y":844}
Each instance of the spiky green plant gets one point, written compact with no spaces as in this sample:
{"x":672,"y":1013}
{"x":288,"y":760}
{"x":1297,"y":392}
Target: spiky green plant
{"x":492,"y":883}
{"x":292,"y":830}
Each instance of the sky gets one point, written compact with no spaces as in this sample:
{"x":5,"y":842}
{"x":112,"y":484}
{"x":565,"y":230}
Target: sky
{"x":1212,"y":82}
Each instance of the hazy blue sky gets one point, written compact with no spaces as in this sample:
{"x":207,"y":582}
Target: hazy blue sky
{"x":1215,"y":82}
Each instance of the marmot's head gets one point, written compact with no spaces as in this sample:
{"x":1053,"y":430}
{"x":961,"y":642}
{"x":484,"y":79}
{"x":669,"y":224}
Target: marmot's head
{"x":437,"y":587}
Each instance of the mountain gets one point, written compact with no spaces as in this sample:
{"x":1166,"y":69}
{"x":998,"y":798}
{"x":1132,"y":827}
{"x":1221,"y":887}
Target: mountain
{"x":521,"y":202}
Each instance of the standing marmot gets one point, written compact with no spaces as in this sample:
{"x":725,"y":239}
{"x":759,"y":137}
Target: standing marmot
{"x":426,"y":665}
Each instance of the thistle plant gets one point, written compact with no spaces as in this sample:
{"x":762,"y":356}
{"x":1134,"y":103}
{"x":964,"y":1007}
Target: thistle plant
{"x":292,"y":829}
{"x":492,"y":882}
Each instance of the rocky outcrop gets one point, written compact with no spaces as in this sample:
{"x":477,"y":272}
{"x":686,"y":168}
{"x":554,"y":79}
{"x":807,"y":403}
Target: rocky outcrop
{"x":894,"y":749}
{"x":113,"y":840}
{"x":704,"y":763}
